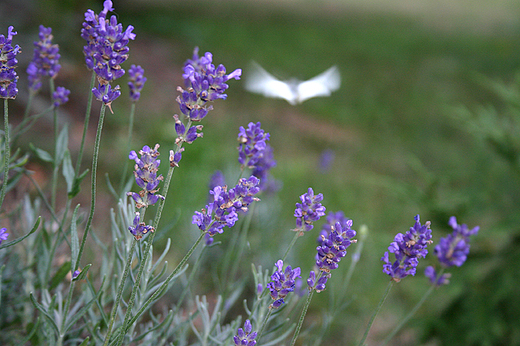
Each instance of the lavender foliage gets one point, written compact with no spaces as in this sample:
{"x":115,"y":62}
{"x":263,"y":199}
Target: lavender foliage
{"x":283,"y":282}
{"x":407,"y":249}
{"x":45,"y":61}
{"x":146,"y":177}
{"x":8,"y":63}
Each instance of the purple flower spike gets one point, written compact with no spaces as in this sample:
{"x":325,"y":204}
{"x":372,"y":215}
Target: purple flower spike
{"x":8,"y":62}
{"x":138,"y":228}
{"x":435,"y":279}
{"x":45,"y":60}
{"x":252,"y":144}
{"x":407,"y":248}
{"x":319,"y":285}
{"x":224,"y":206}
{"x":332,"y":219}
{"x":60,"y":96}
{"x":244,"y":336}
{"x":136,"y":83}
{"x":3,"y":235}
{"x":334,"y":246}
{"x":453,"y":249}
{"x":145,"y":172}
{"x":283,"y":282}
{"x":309,"y":211}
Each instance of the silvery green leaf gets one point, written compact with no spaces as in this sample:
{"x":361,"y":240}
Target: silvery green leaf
{"x":68,"y":171}
{"x":62,"y":144}
{"x":41,"y":154}
{"x":45,"y":313}
{"x":74,"y":241}
{"x":11,"y":243}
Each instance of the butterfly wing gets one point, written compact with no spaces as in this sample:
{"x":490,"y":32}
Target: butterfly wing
{"x":321,"y":85}
{"x":261,"y":82}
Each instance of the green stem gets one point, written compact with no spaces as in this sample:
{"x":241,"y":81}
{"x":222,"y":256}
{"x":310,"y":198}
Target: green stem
{"x":381,"y":302}
{"x":120,"y":292}
{"x":302,"y":317}
{"x":93,"y":181}
{"x":293,"y":241}
{"x":7,"y":153}
{"x":264,"y":324}
{"x":85,"y":126}
{"x":55,"y":163}
{"x":411,"y":313}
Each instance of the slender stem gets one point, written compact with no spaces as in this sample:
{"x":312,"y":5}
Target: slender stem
{"x":29,"y":104}
{"x":120,"y":292}
{"x":293,"y":241}
{"x":7,"y":153}
{"x":20,"y":129}
{"x":264,"y":324}
{"x":93,"y":181}
{"x":85,"y":126}
{"x":158,"y":292}
{"x":55,"y":163}
{"x":410,"y":314}
{"x":129,"y":146}
{"x":302,"y":317}
{"x":381,"y":302}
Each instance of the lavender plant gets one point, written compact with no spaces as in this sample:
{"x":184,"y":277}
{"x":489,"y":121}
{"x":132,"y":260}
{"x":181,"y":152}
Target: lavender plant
{"x":121,"y":298}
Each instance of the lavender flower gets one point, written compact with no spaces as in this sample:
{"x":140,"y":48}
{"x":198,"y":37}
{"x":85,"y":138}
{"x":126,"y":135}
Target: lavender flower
{"x":407,"y":248}
{"x":45,"y":60}
{"x":3,"y":235}
{"x":138,"y":228}
{"x":60,"y":96}
{"x":75,"y":274}
{"x":222,"y":210}
{"x":8,"y":61}
{"x":216,"y":179}
{"x":332,"y":219}
{"x":262,"y":168}
{"x":106,"y":50}
{"x":146,"y":176}
{"x":320,"y":284}
{"x":252,"y":144}
{"x":244,"y":336}
{"x":452,"y":250}
{"x":136,"y":83}
{"x":334,"y":246}
{"x":282,"y":283}
{"x":204,"y":83}
{"x":309,"y":211}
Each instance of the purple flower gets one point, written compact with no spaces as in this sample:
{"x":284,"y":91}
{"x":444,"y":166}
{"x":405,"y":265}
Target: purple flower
{"x":75,"y":274}
{"x":309,"y":211}
{"x":252,"y":144}
{"x":60,"y":96}
{"x":332,"y":219}
{"x":136,"y":83}
{"x":204,"y":83}
{"x":318,"y":285}
{"x":222,"y":209}
{"x":244,"y":336}
{"x":334,"y":246}
{"x":8,"y":62}
{"x":138,"y":228}
{"x":175,"y":157}
{"x":262,"y":171}
{"x":453,"y":249}
{"x":216,"y":179}
{"x":146,"y":177}
{"x":407,"y":248}
{"x":45,"y":60}
{"x":283,"y":282}
{"x":3,"y":235}
{"x":435,"y":279}
{"x":106,"y":49}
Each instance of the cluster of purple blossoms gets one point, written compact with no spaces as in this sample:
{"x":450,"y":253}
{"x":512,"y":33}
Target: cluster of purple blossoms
{"x":3,"y":235}
{"x":283,"y":282}
{"x":407,"y":248}
{"x":332,"y":219}
{"x":308,"y":211}
{"x":452,"y":250}
{"x":8,"y":62}
{"x":138,"y":228}
{"x":60,"y":96}
{"x":334,"y":246}
{"x":136,"y":81}
{"x":318,"y":285}
{"x":106,"y":50}
{"x":146,"y":177}
{"x":222,"y":210}
{"x":204,"y":83}
{"x":262,"y":168}
{"x":45,"y":60}
{"x":252,"y":144}
{"x":244,"y":336}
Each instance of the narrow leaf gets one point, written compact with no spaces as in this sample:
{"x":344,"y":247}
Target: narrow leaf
{"x":84,"y":309}
{"x":77,"y":182}
{"x":41,"y":154}
{"x":62,"y":144}
{"x":85,"y":342}
{"x":45,"y":313}
{"x":60,"y":275}
{"x":74,"y":241}
{"x":68,"y":171}
{"x":16,"y":241}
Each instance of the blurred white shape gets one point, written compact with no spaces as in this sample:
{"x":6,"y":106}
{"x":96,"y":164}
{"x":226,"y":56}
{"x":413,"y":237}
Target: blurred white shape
{"x":294,"y":91}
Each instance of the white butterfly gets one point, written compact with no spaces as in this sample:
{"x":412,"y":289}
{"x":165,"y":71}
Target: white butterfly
{"x":294,"y":91}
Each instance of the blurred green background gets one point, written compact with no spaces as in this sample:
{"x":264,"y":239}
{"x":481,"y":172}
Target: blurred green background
{"x":425,"y":122}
